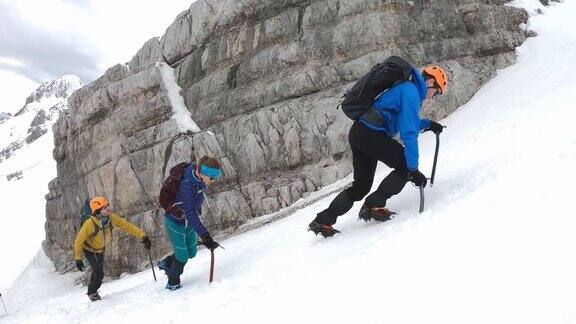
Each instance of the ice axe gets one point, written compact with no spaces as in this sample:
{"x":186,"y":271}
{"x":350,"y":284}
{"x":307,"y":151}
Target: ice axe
{"x":211,"y":276}
{"x":211,"y":266}
{"x":212,"y":263}
{"x":435,"y":158}
{"x":151,"y":265}
{"x":5,"y":311}
{"x":421,"y":198}
{"x":433,"y":171}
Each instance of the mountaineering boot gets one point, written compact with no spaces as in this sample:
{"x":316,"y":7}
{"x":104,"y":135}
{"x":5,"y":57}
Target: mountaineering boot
{"x":163,"y":266}
{"x":325,"y":230}
{"x":174,"y":273}
{"x":173,"y":287}
{"x":380,"y":214}
{"x":94,"y":297}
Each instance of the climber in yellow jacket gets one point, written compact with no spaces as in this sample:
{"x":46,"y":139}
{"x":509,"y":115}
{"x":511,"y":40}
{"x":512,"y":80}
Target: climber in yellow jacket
{"x":92,"y":237}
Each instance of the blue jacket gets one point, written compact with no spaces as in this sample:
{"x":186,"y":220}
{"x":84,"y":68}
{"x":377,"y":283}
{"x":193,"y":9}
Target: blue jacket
{"x":190,"y":198}
{"x":399,"y":106}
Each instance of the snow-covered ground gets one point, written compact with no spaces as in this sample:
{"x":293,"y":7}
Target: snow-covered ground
{"x":22,"y":200}
{"x":23,"y":206}
{"x":495,"y":243}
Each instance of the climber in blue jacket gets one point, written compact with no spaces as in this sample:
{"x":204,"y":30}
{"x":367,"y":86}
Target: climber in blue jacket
{"x":397,"y":110}
{"x":182,"y":228}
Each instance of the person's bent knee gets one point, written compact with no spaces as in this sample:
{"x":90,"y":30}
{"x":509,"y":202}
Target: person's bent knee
{"x":181,"y":258}
{"x":357,"y":193}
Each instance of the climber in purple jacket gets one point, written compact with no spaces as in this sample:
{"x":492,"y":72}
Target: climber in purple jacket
{"x":184,"y":226}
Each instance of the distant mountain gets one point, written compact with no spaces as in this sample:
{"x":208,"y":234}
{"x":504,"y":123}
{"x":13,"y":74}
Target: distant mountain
{"x":4,"y":116}
{"x":61,"y":87}
{"x":38,"y":114}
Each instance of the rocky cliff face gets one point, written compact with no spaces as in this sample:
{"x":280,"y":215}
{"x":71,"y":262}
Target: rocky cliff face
{"x":261,"y":79}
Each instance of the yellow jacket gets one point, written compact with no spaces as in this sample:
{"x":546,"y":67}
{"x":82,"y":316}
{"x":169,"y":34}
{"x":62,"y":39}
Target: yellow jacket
{"x":88,"y":239}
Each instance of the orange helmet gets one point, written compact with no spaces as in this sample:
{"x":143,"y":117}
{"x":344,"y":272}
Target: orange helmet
{"x":98,"y":203}
{"x":438,"y":74}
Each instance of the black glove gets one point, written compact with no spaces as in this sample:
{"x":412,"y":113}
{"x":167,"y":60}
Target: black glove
{"x":80,"y":265}
{"x":417,"y":178}
{"x":208,"y":242}
{"x":435,"y":127}
{"x":146,"y":242}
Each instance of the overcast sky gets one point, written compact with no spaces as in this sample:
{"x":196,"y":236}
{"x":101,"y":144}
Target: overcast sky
{"x":43,"y":39}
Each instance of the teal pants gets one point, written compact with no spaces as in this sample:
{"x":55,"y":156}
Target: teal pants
{"x":183,"y":239}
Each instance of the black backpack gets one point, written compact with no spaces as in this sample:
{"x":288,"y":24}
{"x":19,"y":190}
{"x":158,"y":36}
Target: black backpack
{"x":359,"y":99}
{"x":170,"y":188}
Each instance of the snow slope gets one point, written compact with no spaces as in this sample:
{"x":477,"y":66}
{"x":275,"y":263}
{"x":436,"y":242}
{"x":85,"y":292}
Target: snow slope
{"x":495,"y":243}
{"x":22,"y":200}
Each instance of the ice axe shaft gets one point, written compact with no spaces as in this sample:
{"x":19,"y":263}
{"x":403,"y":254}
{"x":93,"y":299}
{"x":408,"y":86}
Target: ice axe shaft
{"x":433,"y":171}
{"x":151,"y":265}
{"x":211,"y":278}
{"x":435,"y":159}
{"x":211,"y":266}
{"x":421,"y":198}
{"x":3,"y":305}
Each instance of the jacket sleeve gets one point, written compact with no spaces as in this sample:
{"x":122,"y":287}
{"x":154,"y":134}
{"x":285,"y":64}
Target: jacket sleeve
{"x":424,"y":124}
{"x":87,"y":227}
{"x":187,"y":192}
{"x":409,"y":127}
{"x":126,"y":226}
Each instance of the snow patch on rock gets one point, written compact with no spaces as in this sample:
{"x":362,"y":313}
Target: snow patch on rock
{"x":181,"y":113}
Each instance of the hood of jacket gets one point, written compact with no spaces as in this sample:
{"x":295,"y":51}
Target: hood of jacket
{"x":420,"y":83}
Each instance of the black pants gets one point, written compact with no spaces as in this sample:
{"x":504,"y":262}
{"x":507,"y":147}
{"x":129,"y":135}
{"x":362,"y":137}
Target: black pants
{"x":96,"y":261}
{"x":369,"y":147}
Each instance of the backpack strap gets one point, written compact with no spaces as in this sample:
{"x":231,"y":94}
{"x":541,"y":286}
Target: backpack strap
{"x":96,"y":229}
{"x":111,"y":231}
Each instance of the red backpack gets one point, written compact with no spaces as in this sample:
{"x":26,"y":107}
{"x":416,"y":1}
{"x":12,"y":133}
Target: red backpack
{"x":170,"y":188}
